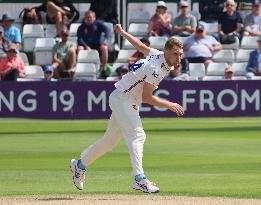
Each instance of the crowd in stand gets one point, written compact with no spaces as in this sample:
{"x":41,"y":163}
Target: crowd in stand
{"x":93,"y":33}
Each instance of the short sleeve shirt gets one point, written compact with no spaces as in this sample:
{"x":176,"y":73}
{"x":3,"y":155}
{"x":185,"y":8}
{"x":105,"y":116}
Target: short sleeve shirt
{"x":185,"y":21}
{"x":13,"y":34}
{"x":63,"y":51}
{"x":229,"y":23}
{"x":199,"y":47}
{"x":152,"y":70}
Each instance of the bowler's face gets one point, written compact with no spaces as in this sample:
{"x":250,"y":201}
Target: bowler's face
{"x":173,"y":56}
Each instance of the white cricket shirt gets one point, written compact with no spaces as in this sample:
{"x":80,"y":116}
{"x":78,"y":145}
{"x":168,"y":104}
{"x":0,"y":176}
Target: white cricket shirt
{"x":151,"y":70}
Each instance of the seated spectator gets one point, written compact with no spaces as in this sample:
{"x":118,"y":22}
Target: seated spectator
{"x":229,"y":24}
{"x":105,"y":10}
{"x":229,"y":74}
{"x":48,"y":73}
{"x":252,"y":23}
{"x":179,"y":73}
{"x":94,"y":34}
{"x":59,"y":12}
{"x":199,"y":47}
{"x":138,"y":54}
{"x":254,"y":63}
{"x":210,"y":10}
{"x":12,"y":66}
{"x":184,"y":24}
{"x":10,"y":31}
{"x":160,"y":22}
{"x":4,"y":43}
{"x":64,"y":55}
{"x":29,"y":16}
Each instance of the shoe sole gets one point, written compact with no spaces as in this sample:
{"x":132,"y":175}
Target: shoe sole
{"x":73,"y":177}
{"x":146,"y":191}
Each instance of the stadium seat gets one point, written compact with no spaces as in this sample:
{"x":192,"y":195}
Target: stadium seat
{"x":216,"y":69}
{"x":24,"y":57}
{"x":233,"y":46}
{"x":239,"y":69}
{"x":43,"y":51}
{"x":243,"y":55}
{"x":138,"y":29}
{"x":127,"y":45}
{"x":89,"y":56}
{"x":73,"y":28}
{"x":112,"y":78}
{"x":140,"y":16}
{"x":210,"y":27}
{"x":123,"y":56}
{"x":33,"y":72}
{"x":210,"y":78}
{"x":196,"y":14}
{"x":239,"y":78}
{"x":85,"y":71}
{"x":197,"y":70}
{"x":158,"y":42}
{"x":256,"y":78}
{"x":30,"y":33}
{"x":224,"y":56}
{"x":249,"y":42}
{"x":50,"y":31}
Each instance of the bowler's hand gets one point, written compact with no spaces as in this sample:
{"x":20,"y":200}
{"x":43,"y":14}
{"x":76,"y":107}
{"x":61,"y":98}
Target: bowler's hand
{"x":175,"y":107}
{"x":118,"y":29}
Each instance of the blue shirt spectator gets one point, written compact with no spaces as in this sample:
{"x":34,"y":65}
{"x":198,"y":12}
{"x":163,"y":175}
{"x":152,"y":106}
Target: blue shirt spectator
{"x":229,"y":24}
{"x":94,"y":34}
{"x":254,"y":63}
{"x":11,"y":32}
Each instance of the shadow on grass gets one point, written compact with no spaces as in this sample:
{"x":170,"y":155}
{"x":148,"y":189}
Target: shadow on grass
{"x":219,"y":129}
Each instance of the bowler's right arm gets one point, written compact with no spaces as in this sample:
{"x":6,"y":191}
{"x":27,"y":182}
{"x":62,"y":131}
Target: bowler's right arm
{"x":133,"y":40}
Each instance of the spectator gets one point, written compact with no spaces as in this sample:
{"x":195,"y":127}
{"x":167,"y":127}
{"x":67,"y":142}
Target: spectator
{"x":229,"y":24}
{"x":254,"y":63}
{"x":252,"y":21}
{"x":199,"y":47}
{"x":179,"y":72}
{"x":11,"y":32}
{"x":211,"y":10}
{"x":4,"y":43}
{"x":59,"y":12}
{"x":138,"y":54}
{"x":105,"y":10}
{"x":93,"y":34}
{"x":12,"y":66}
{"x":184,"y":24}
{"x":160,"y":22}
{"x":48,"y":73}
{"x":30,"y":16}
{"x":229,"y":74}
{"x":64,"y":55}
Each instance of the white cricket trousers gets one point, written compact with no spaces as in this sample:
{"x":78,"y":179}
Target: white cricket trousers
{"x":124,"y":120}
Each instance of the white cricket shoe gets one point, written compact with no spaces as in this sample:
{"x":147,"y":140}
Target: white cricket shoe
{"x":146,"y":186}
{"x":78,"y":174}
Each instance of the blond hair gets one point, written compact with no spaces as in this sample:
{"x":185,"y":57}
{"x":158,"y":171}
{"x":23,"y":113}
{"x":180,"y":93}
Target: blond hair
{"x":173,"y":42}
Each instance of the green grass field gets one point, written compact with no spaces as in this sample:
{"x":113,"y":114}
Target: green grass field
{"x":186,"y":156}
